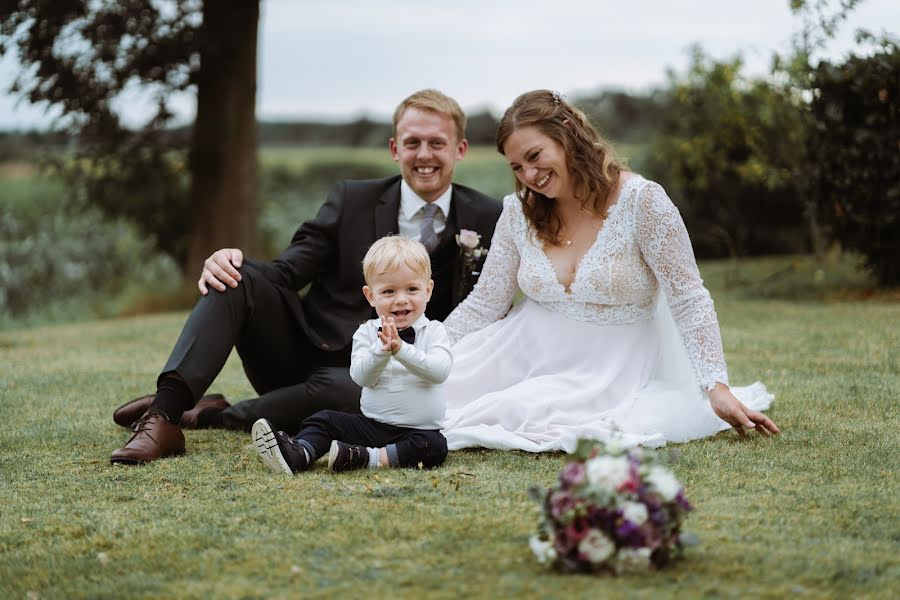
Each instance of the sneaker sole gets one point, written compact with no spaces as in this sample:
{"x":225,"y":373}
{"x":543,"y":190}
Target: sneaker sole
{"x":267,"y":447}
{"x":332,"y":454}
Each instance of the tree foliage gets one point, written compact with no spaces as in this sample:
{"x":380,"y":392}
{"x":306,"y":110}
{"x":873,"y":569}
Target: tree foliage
{"x":81,"y":57}
{"x":728,"y":153}
{"x":86,"y":60}
{"x":854,"y":152}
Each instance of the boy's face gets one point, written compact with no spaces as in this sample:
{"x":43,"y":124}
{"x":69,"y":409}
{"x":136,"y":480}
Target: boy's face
{"x":401,"y":294}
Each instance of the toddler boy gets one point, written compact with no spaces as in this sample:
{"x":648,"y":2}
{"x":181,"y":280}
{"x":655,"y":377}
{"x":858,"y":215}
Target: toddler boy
{"x":398,"y":359}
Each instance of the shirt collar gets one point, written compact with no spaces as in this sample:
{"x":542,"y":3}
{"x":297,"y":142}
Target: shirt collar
{"x":419,"y":323}
{"x":410,"y":203}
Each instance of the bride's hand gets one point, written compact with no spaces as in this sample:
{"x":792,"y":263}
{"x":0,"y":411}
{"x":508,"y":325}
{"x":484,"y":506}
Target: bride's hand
{"x":732,"y":411}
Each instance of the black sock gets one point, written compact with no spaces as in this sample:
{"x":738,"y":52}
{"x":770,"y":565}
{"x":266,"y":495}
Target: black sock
{"x":173,"y":397}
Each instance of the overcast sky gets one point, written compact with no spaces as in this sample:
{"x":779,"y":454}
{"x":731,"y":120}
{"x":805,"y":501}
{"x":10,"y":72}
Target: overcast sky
{"x":340,"y":59}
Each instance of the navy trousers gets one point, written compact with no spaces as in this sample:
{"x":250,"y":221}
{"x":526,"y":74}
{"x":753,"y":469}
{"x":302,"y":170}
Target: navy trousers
{"x":406,"y":446}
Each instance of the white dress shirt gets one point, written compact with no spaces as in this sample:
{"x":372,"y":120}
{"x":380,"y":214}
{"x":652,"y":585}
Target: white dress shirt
{"x":401,"y":389}
{"x":410,"y":217}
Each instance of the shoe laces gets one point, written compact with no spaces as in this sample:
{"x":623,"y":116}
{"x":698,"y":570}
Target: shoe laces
{"x":355,"y":453}
{"x":143,"y":424}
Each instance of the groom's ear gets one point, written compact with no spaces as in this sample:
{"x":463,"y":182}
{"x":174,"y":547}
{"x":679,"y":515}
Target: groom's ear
{"x":392,"y":146}
{"x":461,"y":147}
{"x":369,"y":295}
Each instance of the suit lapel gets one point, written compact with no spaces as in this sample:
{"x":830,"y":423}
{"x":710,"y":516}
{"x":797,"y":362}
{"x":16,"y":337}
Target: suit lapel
{"x":386,"y":211}
{"x":462,"y":207}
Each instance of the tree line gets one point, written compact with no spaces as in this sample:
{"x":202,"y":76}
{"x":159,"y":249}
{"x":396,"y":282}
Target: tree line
{"x":786,"y":163}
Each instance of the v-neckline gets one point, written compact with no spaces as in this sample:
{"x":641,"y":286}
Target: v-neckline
{"x":567,"y":291}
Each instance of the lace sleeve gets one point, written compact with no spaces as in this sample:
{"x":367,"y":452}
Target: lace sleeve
{"x":492,"y":296}
{"x":666,"y":247}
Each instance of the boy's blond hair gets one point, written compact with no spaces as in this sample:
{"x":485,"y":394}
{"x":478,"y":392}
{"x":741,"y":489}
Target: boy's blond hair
{"x":390,"y":252}
{"x":436,"y":102}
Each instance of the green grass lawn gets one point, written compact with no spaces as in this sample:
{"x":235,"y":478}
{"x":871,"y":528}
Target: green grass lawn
{"x":811,"y":513}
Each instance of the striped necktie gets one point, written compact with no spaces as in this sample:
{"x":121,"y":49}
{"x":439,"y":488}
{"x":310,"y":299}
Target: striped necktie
{"x":427,"y":235}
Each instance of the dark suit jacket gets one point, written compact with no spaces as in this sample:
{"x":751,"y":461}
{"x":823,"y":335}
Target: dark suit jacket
{"x":326,"y":253}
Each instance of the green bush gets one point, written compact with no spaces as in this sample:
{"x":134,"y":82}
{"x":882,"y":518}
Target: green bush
{"x":57,"y":265}
{"x":728,"y":154}
{"x":148,"y":185}
{"x":854,"y":152}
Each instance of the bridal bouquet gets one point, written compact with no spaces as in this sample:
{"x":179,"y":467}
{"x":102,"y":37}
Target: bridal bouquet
{"x":611,"y":510}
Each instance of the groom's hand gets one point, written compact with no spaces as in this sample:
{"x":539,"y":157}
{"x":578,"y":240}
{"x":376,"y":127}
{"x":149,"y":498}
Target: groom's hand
{"x":221,"y":269}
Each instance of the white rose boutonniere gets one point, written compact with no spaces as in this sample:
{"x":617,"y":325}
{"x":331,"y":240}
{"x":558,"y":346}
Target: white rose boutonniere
{"x":469,"y":243}
{"x":471,"y":256}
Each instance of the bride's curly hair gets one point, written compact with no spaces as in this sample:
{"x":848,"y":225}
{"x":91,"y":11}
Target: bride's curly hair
{"x":592,"y":162}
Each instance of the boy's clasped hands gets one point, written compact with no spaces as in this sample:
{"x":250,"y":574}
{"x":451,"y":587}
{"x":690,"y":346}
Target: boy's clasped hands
{"x":389,"y":335}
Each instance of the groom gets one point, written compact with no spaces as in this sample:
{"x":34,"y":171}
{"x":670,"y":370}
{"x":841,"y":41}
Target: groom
{"x":296,"y":349}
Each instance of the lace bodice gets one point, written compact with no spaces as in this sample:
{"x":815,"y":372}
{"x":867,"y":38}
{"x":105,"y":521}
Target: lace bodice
{"x":642,"y":246}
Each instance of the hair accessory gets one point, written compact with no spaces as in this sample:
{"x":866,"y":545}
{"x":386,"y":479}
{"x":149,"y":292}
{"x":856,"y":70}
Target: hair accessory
{"x":557,"y":97}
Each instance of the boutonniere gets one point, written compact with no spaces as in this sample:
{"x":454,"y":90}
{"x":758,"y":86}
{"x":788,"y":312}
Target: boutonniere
{"x":471,"y":257}
{"x":469,"y":243}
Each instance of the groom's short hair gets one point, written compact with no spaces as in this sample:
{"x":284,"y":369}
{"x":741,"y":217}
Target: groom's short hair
{"x":434,"y":101}
{"x":390,"y":252}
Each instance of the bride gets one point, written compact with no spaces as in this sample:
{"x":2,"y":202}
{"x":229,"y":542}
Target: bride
{"x":616,"y":337}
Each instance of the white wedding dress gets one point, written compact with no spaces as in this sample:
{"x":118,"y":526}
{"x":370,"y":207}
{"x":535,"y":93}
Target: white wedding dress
{"x":626,"y":353}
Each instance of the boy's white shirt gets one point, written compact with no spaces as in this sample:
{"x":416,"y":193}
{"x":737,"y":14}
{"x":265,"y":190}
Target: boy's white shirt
{"x":401,"y":389}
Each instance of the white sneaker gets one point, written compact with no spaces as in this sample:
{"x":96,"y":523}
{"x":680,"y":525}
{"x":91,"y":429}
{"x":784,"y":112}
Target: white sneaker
{"x":267,"y":445}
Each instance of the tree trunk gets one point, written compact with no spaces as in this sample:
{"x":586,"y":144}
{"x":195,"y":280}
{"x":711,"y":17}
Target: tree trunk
{"x":225,"y":209}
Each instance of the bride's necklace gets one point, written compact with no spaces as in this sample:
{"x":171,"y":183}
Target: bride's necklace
{"x":568,"y":239}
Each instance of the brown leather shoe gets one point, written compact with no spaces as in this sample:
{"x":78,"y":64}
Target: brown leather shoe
{"x":213,"y":402}
{"x":128,"y":414}
{"x":154,"y":438}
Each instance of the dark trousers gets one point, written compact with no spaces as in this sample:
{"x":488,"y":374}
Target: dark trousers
{"x":294,"y":378}
{"x":406,"y":447}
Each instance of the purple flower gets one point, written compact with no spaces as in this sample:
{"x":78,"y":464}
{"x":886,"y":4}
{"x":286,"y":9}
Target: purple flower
{"x":561,"y":503}
{"x":572,"y":474}
{"x":630,"y":534}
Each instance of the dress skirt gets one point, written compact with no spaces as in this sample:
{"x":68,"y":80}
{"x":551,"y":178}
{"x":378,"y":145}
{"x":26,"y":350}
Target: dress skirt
{"x":538,"y":381}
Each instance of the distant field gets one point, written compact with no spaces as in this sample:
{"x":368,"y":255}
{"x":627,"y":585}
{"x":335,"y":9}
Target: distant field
{"x":482,"y":168}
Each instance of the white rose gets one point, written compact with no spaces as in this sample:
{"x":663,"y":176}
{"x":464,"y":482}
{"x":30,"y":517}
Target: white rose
{"x":468,"y":239}
{"x":635,"y":512}
{"x":596,"y":546}
{"x":664,"y":481}
{"x":544,"y":550}
{"x":607,"y":471}
{"x":632,"y":560}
